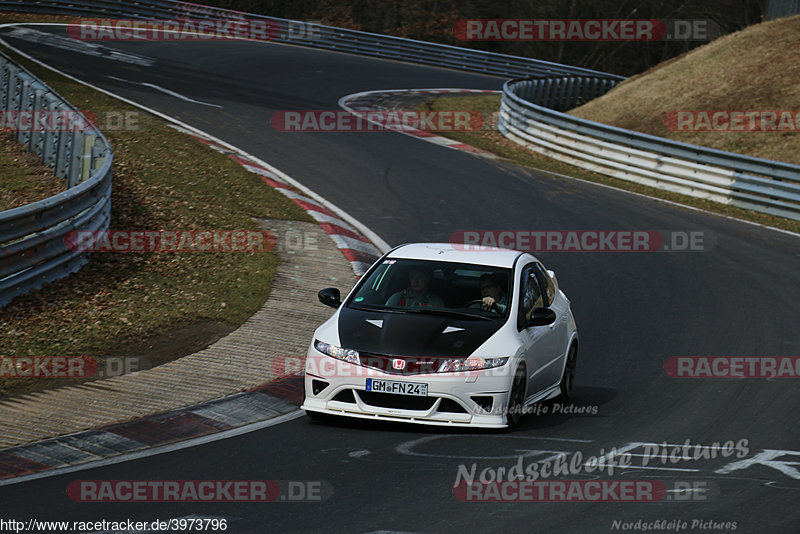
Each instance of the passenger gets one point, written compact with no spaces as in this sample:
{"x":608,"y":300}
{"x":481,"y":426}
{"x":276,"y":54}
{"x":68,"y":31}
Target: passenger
{"x":418,"y":293}
{"x":493,"y":296}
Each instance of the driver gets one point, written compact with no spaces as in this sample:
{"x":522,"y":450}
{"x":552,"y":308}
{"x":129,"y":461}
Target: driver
{"x":418,"y":293}
{"x":493,"y":297}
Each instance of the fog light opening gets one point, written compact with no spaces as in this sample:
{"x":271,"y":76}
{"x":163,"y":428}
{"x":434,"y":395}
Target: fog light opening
{"x":485,"y":402}
{"x":318,"y":386}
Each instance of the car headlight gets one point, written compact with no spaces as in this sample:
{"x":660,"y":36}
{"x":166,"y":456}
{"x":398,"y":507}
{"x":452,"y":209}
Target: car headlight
{"x":347,"y":355}
{"x":470,"y":364}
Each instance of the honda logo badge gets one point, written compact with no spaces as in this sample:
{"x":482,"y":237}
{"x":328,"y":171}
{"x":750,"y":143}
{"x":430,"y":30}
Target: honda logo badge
{"x":398,"y":364}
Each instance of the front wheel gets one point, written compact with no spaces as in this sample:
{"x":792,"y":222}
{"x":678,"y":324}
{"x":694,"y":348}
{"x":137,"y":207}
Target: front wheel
{"x":568,"y":379}
{"x":516,"y":399}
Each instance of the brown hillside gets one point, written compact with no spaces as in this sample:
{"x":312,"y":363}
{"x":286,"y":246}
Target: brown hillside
{"x":756,"y":69}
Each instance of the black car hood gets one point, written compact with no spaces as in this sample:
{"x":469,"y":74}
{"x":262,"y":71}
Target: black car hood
{"x":413,"y":334}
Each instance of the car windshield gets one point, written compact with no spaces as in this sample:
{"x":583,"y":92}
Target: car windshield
{"x":457,"y":289}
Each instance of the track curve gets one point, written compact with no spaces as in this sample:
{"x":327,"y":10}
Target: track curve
{"x":635,"y":310}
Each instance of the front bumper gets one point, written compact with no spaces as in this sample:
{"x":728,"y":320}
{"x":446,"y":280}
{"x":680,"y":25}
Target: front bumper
{"x":468,"y":399}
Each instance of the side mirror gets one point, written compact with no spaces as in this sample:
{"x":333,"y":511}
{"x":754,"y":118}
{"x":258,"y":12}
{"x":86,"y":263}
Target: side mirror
{"x":542,"y":316}
{"x":330,"y":296}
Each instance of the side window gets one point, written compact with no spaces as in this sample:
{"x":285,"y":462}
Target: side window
{"x":531,"y":294}
{"x":547,"y":284}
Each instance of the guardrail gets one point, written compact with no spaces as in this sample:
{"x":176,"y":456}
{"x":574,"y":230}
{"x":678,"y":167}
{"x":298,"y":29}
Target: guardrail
{"x":315,"y":36}
{"x":31,"y":237}
{"x":33,"y":246}
{"x":758,"y":184}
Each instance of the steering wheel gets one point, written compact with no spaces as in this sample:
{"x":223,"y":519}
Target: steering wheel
{"x":477,"y":303}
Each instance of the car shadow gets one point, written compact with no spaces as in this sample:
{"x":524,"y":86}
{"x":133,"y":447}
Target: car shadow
{"x":584,"y":402}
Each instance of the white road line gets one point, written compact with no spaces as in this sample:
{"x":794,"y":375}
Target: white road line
{"x":406,"y":448}
{"x":569,"y":440}
{"x":344,"y":104}
{"x":225,"y":434}
{"x":648,"y":467}
{"x":343,"y":241}
{"x":165,"y":91}
{"x":323,"y":217}
{"x":297,"y":196}
{"x":80,"y":47}
{"x":382,"y":245}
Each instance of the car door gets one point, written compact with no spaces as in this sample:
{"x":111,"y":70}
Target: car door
{"x":538,"y":344}
{"x":558,"y":331}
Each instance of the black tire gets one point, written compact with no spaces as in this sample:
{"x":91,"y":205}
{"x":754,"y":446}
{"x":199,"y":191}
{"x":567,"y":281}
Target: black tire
{"x":516,"y":399}
{"x":568,"y":379}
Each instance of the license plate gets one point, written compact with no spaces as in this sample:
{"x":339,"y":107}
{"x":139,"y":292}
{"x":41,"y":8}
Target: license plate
{"x":401,"y":388}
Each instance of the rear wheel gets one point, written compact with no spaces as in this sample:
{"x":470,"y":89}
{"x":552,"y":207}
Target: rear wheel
{"x":568,"y":379}
{"x":516,"y":400}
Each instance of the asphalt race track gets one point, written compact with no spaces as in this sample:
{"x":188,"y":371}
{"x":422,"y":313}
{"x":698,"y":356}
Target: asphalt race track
{"x":737,"y":297}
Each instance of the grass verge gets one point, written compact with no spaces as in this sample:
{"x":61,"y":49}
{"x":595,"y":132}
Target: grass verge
{"x":490,"y":139}
{"x":124,"y":304}
{"x":25,"y":178}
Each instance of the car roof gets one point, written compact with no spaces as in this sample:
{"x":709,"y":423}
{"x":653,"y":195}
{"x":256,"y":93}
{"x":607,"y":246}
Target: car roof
{"x":457,"y":253}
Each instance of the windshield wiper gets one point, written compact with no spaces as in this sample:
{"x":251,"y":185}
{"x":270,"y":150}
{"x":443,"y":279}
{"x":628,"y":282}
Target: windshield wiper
{"x":433,"y":311}
{"x":375,"y":308}
{"x":451,"y":313}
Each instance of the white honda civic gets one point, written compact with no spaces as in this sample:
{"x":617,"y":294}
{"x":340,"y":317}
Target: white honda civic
{"x":444,"y":334}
